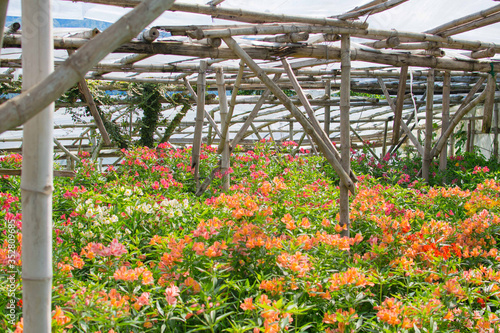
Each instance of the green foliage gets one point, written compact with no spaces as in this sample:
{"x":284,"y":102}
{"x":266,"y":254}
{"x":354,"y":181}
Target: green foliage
{"x":148,"y":99}
{"x":136,"y":251}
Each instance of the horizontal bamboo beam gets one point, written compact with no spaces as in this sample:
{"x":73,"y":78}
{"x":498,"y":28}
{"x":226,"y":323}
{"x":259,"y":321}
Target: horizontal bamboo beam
{"x":57,"y":173}
{"x":237,"y":14}
{"x":492,"y":19}
{"x":318,"y":51}
{"x":371,"y":10}
{"x":464,"y":20}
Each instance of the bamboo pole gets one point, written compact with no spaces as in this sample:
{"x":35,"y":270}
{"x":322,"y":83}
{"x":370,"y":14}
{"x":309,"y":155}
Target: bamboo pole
{"x":443,"y":157}
{"x":328,"y":92}
{"x":232,"y":104}
{"x":37,"y":175}
{"x":495,"y":136}
{"x":426,"y":162}
{"x":345,"y":135}
{"x":238,"y":14}
{"x":398,"y":111}
{"x":384,"y":146}
{"x":256,"y":131}
{"x":488,"y":104}
{"x":465,"y":20}
{"x":200,"y":111}
{"x":344,"y":177}
{"x":207,"y":114}
{"x":66,"y":151}
{"x":21,"y":108}
{"x":364,"y":144}
{"x":376,"y":34}
{"x":492,"y":19}
{"x":310,"y":113}
{"x":3,"y":15}
{"x":371,"y":10}
{"x":224,"y":124}
{"x":462,"y":111}
{"x":316,"y":51}
{"x":402,"y":125}
{"x":87,"y":95}
{"x":56,"y":173}
{"x":366,"y":5}
{"x":486,"y":53}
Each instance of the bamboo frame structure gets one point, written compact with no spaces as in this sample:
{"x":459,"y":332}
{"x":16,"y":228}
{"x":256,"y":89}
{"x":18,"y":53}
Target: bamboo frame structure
{"x":302,"y":54}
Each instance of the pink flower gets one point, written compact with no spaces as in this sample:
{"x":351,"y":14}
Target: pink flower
{"x":143,"y":299}
{"x":171,"y":293}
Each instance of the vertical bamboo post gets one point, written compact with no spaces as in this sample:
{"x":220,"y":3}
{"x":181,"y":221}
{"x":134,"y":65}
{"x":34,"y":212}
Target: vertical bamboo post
{"x":290,"y":133}
{"x":488,"y":104}
{"x":328,"y":92}
{"x":384,"y":144}
{"x":452,"y":145}
{"x":232,"y":104}
{"x":443,"y":157}
{"x":472,"y":131}
{"x":399,"y":104}
{"x":3,"y":16}
{"x":495,"y":136}
{"x":37,"y":175}
{"x":345,"y":135}
{"x":426,"y":163}
{"x":200,"y":112}
{"x":209,"y":135}
{"x":221,"y":86}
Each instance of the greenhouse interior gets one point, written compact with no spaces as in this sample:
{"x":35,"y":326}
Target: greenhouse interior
{"x":264,"y":166}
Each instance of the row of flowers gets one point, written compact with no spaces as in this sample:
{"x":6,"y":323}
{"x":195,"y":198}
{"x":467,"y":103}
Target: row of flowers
{"x":137,"y":251}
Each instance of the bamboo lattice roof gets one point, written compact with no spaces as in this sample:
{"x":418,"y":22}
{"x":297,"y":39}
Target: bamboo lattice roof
{"x":311,"y":44}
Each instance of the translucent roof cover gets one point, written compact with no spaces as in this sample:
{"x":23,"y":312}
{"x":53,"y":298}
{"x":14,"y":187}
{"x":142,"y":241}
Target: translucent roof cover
{"x":413,"y":15}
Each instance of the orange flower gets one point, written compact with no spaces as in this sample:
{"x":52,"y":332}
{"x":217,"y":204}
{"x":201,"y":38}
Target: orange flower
{"x":59,"y":317}
{"x":248,"y":304}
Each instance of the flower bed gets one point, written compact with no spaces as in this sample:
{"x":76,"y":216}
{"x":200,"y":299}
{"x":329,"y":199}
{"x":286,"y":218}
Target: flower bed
{"x":136,"y":251}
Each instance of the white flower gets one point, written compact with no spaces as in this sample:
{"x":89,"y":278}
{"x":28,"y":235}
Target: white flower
{"x":127,"y":231}
{"x":88,"y":202}
{"x":129,"y":210}
{"x":89,"y":213}
{"x":113,"y":219}
{"x":79,"y":208}
{"x":185,"y":203}
{"x":128,"y":192}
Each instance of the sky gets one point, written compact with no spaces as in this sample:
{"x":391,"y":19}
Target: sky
{"x":414,"y":15}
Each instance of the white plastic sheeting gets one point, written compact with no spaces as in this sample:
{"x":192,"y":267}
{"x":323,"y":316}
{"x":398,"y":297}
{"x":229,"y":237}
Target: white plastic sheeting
{"x":414,"y":15}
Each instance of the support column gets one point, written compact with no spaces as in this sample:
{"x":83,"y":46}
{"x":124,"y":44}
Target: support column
{"x":345,"y":134}
{"x":37,"y":174}
{"x":200,"y":112}
{"x":398,"y":112}
{"x":3,"y":15}
{"x":426,"y":163}
{"x":488,"y":104}
{"x":221,"y":86}
{"x":443,"y":157}
{"x":328,"y":92}
{"x":495,"y":137}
